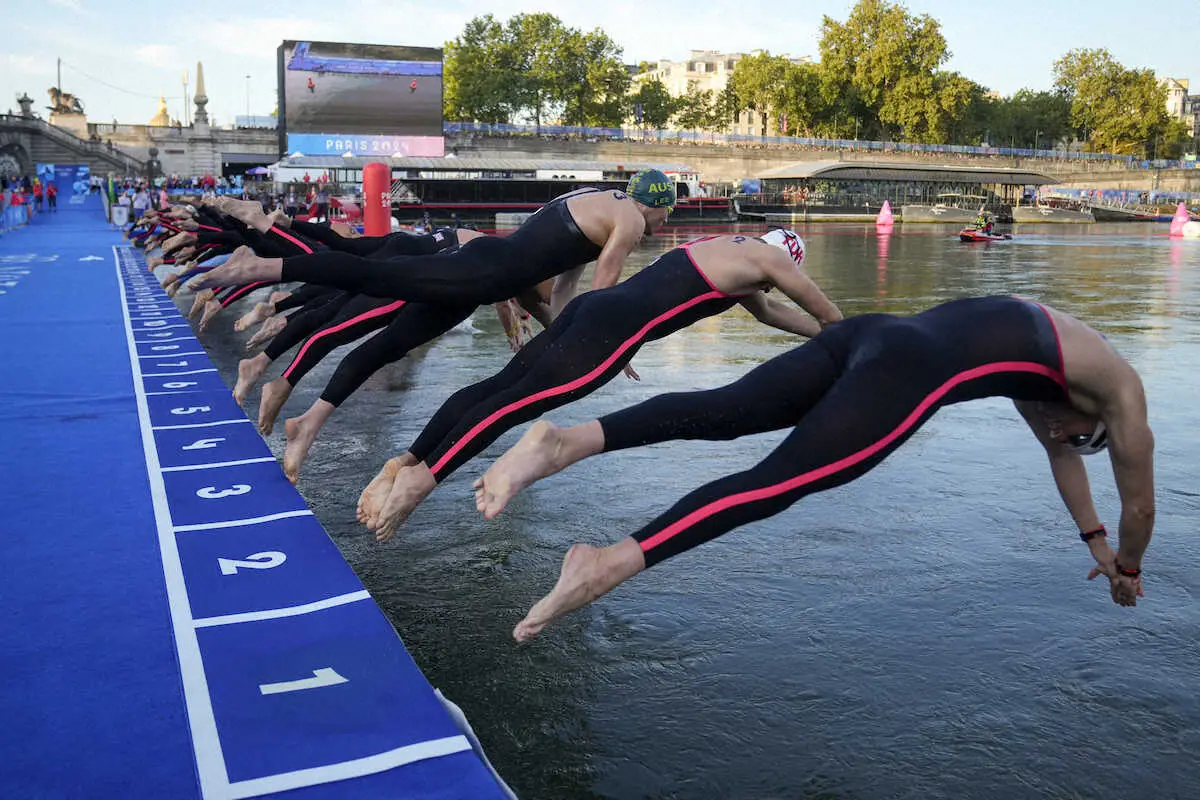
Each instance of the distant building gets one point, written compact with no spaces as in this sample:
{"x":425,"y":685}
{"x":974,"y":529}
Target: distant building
{"x":710,"y":70}
{"x":1181,"y":105}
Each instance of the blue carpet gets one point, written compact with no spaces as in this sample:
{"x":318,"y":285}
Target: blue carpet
{"x":179,"y":624}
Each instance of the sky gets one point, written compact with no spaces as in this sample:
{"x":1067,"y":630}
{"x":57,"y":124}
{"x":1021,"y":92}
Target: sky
{"x":119,"y":58}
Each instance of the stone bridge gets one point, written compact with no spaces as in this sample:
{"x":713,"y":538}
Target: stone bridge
{"x":26,"y":141}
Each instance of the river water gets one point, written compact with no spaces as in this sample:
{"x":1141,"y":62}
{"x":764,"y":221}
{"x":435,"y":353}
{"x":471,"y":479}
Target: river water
{"x":926,"y":631}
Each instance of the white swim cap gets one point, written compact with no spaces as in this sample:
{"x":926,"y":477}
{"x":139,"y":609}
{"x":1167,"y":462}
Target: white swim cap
{"x":1086,"y":444}
{"x":788,"y":241}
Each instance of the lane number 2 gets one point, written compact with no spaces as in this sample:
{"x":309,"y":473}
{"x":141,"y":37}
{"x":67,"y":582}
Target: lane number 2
{"x":264,"y":560}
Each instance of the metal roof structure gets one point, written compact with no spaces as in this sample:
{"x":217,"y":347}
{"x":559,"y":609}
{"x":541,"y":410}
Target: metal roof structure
{"x":455,"y":164}
{"x":889,"y":171}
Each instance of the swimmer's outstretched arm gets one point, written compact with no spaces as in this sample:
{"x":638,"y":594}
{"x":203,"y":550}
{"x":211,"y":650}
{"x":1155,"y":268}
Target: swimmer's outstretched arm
{"x":781,"y":316}
{"x":1070,"y":475}
{"x":783,"y":273}
{"x":1131,"y":447}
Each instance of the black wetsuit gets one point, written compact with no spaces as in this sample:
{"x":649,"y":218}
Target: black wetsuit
{"x":854,"y":394}
{"x":488,"y":269}
{"x":361,"y":314}
{"x":589,"y":343}
{"x":413,"y":325}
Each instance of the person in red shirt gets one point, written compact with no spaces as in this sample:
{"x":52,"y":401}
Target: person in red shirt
{"x":20,"y":204}
{"x":37,"y":195}
{"x":52,"y":197}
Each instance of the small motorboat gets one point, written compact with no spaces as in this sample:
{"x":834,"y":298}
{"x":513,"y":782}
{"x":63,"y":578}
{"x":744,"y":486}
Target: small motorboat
{"x":973,"y":235}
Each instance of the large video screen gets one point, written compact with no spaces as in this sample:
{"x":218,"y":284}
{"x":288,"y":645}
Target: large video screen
{"x":365,"y":99}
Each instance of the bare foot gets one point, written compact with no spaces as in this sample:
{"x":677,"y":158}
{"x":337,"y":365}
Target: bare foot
{"x":301,"y":433}
{"x":277,"y":296}
{"x":279,"y":219}
{"x":211,"y":309}
{"x":267,"y":332}
{"x":529,"y":460}
{"x":587,"y":573}
{"x":169,"y":278}
{"x":199,"y":302}
{"x":173,"y":288}
{"x":178,"y":240}
{"x":372,"y":497}
{"x":154,"y":263}
{"x":412,"y":485}
{"x":274,"y":395}
{"x":247,"y":211}
{"x":243,"y":267}
{"x":254,"y":316}
{"x":249,"y":371}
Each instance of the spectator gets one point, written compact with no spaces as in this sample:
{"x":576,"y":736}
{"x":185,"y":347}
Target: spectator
{"x":141,"y":203}
{"x":323,"y":203}
{"x":52,"y":197}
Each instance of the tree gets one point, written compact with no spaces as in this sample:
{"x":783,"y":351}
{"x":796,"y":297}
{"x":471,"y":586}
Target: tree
{"x":657,"y":103}
{"x":693,"y":111}
{"x":596,"y":81}
{"x":759,"y":80}
{"x":1175,"y":140}
{"x":725,"y":108}
{"x":1029,"y":118}
{"x":536,"y":67}
{"x":930,"y":108}
{"x":481,"y":81}
{"x":1122,"y":110}
{"x":801,"y":100}
{"x":888,"y":58}
{"x":540,"y":41}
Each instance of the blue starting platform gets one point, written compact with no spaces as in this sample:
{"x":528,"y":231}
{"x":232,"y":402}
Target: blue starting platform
{"x":178,"y":623}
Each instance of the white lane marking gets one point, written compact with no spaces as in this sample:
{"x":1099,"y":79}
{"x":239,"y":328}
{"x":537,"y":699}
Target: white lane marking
{"x":210,"y":763}
{"x":212,"y":465}
{"x":172,"y":355}
{"x":325,"y":676}
{"x":408,"y":754}
{"x":290,"y":611}
{"x":201,"y":424}
{"x":173,"y":374}
{"x":238,"y":523}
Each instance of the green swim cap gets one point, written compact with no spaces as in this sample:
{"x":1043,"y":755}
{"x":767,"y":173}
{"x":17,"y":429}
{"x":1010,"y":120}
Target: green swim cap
{"x":652,"y":188}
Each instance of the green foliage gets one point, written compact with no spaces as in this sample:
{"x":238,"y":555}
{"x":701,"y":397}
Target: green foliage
{"x":880,"y":77}
{"x":1029,"y":119}
{"x":694,"y":111}
{"x":481,"y":80}
{"x":887,"y":59}
{"x":534,"y":66}
{"x":1121,"y":110}
{"x":596,"y":83}
{"x":657,"y":104}
{"x":725,"y":107}
{"x":1175,"y":140}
